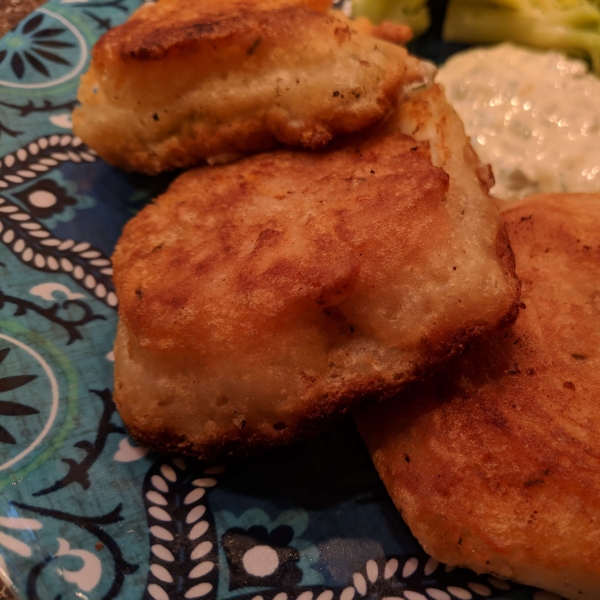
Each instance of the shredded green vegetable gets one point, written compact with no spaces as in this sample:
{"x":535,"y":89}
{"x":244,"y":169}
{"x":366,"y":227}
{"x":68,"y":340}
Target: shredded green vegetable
{"x":569,"y":25}
{"x":412,"y":12}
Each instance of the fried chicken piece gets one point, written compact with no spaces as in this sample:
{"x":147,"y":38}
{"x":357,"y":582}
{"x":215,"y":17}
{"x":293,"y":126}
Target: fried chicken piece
{"x":261,"y":299}
{"x":186,"y":81}
{"x":495,"y":464}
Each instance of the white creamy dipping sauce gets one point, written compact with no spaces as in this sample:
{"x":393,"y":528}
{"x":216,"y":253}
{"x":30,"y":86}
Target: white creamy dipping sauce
{"x":535,"y":117}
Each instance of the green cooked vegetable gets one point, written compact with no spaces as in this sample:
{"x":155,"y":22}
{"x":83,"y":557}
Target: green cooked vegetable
{"x":569,"y":25}
{"x":412,"y":12}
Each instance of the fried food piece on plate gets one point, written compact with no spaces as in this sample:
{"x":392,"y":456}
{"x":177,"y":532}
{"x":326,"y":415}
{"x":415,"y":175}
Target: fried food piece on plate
{"x":186,"y":81}
{"x":495,"y":464}
{"x":261,"y":299}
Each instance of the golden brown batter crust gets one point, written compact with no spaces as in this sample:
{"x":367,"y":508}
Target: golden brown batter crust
{"x":260,"y":299}
{"x":185,"y":81}
{"x":495,"y":464}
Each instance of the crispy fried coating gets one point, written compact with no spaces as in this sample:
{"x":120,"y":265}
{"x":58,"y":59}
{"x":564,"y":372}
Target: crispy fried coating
{"x":186,"y":81}
{"x":398,"y":33}
{"x":260,"y":299}
{"x":495,"y":465}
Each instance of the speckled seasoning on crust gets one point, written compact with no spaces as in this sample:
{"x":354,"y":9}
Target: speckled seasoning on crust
{"x":495,"y":464}
{"x":261,"y":299}
{"x":184,"y":82}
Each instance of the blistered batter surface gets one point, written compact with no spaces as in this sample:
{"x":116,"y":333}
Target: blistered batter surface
{"x":259,"y":299}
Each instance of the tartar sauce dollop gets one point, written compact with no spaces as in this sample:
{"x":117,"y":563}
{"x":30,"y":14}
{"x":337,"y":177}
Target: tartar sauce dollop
{"x":535,"y":117}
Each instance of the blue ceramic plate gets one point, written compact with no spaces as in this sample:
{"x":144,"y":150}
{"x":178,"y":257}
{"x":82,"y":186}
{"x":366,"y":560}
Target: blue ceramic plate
{"x":84,"y":512}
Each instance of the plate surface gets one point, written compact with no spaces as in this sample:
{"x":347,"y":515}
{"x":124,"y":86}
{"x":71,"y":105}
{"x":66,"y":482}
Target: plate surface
{"x":84,"y":512}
